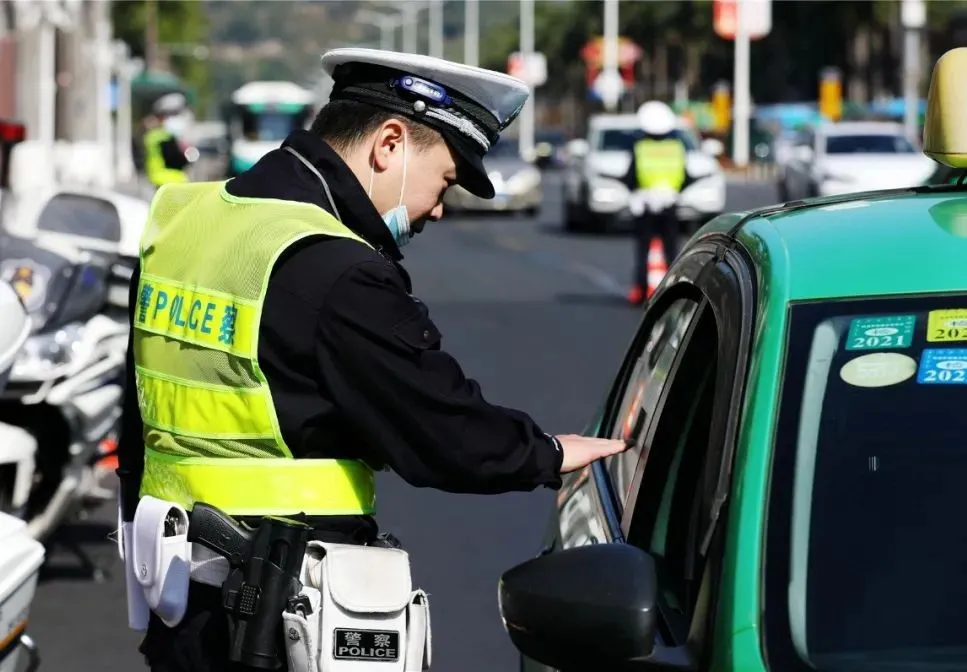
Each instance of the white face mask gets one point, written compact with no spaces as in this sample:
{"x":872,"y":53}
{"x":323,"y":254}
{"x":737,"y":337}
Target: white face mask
{"x":397,"y":219}
{"x":174,"y":125}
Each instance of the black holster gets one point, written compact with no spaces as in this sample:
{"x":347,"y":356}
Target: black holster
{"x":257,"y":589}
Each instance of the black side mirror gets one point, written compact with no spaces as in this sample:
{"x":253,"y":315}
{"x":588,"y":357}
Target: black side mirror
{"x":589,"y":607}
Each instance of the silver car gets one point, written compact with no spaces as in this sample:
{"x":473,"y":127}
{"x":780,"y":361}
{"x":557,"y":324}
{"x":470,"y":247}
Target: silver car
{"x":517,"y":184}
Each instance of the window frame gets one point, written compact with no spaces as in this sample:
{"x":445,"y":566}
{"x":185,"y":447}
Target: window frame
{"x":727,"y":286}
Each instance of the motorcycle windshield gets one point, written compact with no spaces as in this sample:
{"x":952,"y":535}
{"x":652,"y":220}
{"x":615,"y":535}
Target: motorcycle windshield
{"x":55,"y":289}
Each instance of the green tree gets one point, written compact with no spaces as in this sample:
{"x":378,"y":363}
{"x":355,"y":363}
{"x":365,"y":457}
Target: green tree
{"x":180,"y":22}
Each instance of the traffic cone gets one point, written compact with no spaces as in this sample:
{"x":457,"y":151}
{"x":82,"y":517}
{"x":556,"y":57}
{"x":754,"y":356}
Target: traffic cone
{"x":657,"y":266}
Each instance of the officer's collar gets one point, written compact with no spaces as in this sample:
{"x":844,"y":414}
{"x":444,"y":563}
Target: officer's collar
{"x":355,"y":207}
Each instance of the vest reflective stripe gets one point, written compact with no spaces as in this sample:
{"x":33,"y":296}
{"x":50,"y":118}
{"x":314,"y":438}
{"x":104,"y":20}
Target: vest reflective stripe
{"x":211,"y":431}
{"x":193,"y":409}
{"x":660,"y":163}
{"x":154,"y":162}
{"x":255,"y":487}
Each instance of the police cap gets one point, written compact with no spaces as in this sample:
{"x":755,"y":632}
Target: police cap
{"x":469,"y":106}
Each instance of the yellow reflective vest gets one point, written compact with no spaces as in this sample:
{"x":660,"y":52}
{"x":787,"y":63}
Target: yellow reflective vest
{"x":660,"y":163}
{"x":211,"y":432}
{"x":154,"y":162}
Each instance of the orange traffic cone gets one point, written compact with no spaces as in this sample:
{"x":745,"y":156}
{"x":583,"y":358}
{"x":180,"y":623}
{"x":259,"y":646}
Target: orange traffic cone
{"x":657,"y":266}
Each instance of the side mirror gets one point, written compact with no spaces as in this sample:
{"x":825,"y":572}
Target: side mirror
{"x":803,"y":153}
{"x":713,"y":147}
{"x":589,"y":606}
{"x":578,"y":149}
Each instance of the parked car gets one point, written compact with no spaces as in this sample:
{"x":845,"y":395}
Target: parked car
{"x":516,"y":181}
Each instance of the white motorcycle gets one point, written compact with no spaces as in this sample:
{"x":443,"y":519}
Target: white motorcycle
{"x":64,"y":389}
{"x":20,"y":555}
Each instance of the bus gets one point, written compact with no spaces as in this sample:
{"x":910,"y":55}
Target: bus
{"x":260,"y":116}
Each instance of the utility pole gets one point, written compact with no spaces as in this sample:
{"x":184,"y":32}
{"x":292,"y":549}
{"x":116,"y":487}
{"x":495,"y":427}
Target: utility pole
{"x":741,"y":94}
{"x":527,"y":54}
{"x":913,"y":15}
{"x":436,"y":28}
{"x":410,"y":13}
{"x":612,"y":90}
{"x":151,"y":35}
{"x":471,"y":32}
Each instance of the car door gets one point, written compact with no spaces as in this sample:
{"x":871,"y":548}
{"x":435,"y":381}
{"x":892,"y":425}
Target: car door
{"x":680,"y":488}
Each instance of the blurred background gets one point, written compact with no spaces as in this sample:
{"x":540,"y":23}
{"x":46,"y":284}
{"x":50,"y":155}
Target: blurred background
{"x":799,"y":99}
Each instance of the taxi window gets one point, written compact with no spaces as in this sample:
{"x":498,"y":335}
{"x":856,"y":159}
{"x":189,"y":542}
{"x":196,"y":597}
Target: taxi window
{"x":644,"y":386}
{"x":866,"y":545}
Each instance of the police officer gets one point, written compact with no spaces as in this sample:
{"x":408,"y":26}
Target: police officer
{"x":656,"y":176}
{"x":164,"y":159}
{"x":272,"y":319}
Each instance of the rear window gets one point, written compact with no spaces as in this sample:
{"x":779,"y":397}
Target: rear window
{"x":866,"y":546}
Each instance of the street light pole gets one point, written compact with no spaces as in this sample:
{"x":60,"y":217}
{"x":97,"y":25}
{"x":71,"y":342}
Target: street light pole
{"x":913,"y":14}
{"x":527,"y":54}
{"x":436,"y":28}
{"x":471,"y":32}
{"x":610,"y":61}
{"x":410,"y":13}
{"x":740,"y":94}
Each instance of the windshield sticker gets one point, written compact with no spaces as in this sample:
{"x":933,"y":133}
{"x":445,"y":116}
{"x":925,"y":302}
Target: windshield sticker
{"x":943,"y":366}
{"x":881,"y":333}
{"x":880,"y":369}
{"x":947,"y":325}
{"x":29,"y":279}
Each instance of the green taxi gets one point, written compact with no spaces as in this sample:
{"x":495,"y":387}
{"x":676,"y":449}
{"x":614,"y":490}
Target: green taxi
{"x":791,"y":497}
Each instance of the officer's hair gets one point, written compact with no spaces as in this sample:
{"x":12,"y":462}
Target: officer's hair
{"x":345,"y":123}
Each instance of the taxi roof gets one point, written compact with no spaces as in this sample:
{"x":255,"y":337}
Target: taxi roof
{"x":872,"y":244}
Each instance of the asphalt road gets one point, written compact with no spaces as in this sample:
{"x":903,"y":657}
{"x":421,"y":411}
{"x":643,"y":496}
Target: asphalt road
{"x":537,"y":317}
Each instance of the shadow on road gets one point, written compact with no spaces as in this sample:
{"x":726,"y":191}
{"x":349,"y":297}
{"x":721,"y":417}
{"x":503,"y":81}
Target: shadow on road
{"x":597,"y":299}
{"x":68,"y":556}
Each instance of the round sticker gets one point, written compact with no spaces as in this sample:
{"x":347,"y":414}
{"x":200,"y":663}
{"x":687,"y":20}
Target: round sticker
{"x":879,"y":369}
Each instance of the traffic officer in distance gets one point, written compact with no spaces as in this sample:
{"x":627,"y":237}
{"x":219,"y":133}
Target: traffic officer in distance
{"x":272,"y":319}
{"x":656,"y":177}
{"x":164,"y":158}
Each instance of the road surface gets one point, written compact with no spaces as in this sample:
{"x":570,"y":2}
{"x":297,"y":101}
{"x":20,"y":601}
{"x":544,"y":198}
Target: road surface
{"x":536,"y":316}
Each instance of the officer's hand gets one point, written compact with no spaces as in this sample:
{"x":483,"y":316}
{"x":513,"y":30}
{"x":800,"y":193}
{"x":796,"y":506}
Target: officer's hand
{"x":580,"y":451}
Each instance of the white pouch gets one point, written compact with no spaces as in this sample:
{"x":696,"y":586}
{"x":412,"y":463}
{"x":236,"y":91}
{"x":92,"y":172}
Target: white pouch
{"x":366,"y":592}
{"x":138,"y":611}
{"x":162,"y":563}
{"x":302,"y":634}
{"x":418,"y":639}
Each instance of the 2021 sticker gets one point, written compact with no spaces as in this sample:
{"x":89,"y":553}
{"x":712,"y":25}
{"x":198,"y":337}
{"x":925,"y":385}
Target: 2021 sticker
{"x":881,"y":333}
{"x":943,"y":366}
{"x":944,"y":326}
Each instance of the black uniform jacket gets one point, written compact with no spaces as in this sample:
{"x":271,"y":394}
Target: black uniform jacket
{"x":354,"y":362}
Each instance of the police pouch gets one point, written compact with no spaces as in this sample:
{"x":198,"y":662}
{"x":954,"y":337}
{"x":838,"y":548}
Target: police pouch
{"x":161,"y":557}
{"x":366,"y":618}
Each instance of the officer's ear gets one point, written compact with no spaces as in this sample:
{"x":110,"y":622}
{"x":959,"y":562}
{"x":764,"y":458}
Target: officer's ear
{"x":388,"y":141}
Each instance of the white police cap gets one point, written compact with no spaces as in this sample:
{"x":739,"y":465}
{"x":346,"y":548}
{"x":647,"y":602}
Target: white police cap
{"x":469,"y":106}
{"x":170,"y":103}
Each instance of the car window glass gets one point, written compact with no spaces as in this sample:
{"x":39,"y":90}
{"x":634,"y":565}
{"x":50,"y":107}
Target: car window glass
{"x":667,"y":516}
{"x":864,"y":553}
{"x":643,"y":388}
{"x":624,"y":139}
{"x":79,"y":215}
{"x":868,"y":144}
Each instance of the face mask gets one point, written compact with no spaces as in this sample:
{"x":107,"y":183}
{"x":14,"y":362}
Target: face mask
{"x":397,"y":220}
{"x":174,"y":125}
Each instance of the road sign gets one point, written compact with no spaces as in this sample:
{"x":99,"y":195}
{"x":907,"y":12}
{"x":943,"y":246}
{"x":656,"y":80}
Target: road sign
{"x":609,"y":85}
{"x":532,"y":71}
{"x":758,"y":18}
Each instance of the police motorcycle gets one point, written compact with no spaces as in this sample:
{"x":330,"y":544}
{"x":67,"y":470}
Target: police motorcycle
{"x":64,"y":389}
{"x":69,"y":254}
{"x":20,"y":555}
